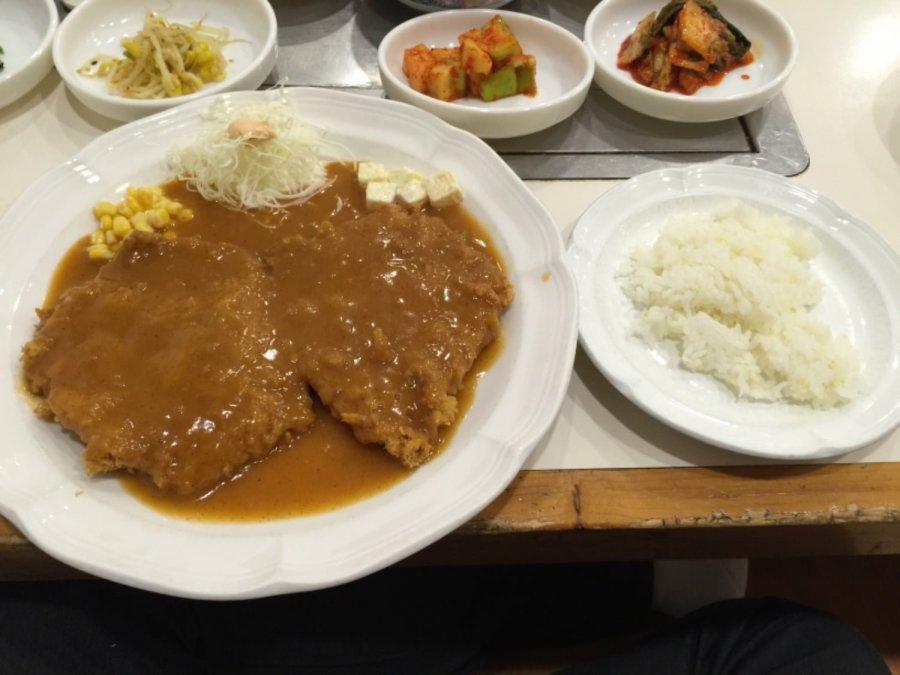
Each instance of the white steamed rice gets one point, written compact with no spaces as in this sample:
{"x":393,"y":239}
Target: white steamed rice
{"x":733,"y":291}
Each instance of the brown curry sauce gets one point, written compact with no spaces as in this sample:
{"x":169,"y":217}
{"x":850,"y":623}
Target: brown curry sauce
{"x":327,"y":467}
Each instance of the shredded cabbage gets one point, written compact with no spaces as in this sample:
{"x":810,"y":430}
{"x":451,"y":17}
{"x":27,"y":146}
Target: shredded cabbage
{"x":246,"y":173}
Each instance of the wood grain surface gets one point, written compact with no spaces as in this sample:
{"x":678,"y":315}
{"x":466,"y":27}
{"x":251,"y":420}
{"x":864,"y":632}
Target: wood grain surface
{"x":560,"y":516}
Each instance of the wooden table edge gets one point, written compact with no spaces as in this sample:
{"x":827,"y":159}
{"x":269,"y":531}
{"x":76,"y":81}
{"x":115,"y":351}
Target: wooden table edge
{"x":627,"y":514}
{"x":665,"y":498}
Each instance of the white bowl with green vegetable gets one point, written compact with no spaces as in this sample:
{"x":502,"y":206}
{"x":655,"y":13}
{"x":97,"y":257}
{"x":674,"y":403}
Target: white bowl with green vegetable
{"x":129,"y":58}
{"x":26,"y":31}
{"x":564,"y":69}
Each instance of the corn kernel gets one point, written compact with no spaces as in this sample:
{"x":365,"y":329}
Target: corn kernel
{"x":99,"y":252}
{"x":121,"y":226}
{"x":146,"y":197}
{"x":158,"y":218}
{"x":104,"y":209}
{"x":142,"y":209}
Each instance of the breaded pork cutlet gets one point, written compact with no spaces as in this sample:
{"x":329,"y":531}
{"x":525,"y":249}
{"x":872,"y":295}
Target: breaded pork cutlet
{"x":386,"y":314}
{"x":167,"y":363}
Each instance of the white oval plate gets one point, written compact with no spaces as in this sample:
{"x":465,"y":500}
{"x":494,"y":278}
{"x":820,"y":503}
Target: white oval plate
{"x":98,"y":26}
{"x":564,"y":71}
{"x":92,"y":524}
{"x":860,"y":273}
{"x":774,"y":47}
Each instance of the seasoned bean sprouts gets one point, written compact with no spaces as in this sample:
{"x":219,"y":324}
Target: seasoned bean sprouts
{"x":163,"y":60}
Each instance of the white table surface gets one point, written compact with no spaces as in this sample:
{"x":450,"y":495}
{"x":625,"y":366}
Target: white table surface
{"x":845,"y":96}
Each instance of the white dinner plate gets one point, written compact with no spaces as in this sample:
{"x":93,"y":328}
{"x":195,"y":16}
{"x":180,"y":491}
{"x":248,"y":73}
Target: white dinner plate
{"x":860,"y":274}
{"x":92,"y":524}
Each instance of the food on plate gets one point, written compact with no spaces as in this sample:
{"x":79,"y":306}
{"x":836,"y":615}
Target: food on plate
{"x":733,"y":290}
{"x":387,"y":313}
{"x":259,"y":156}
{"x":686,"y":46}
{"x":197,"y":354}
{"x":385,"y":186}
{"x":164,"y":60}
{"x":144,"y":209}
{"x":488,"y":63}
{"x":167,"y":363}
{"x":380,"y":193}
{"x":443,"y":190}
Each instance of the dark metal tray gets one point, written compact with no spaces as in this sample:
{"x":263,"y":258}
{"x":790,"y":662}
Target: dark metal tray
{"x":334,"y":43}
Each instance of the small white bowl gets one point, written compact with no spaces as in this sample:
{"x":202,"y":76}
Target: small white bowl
{"x":98,"y":26}
{"x":564,"y":69}
{"x":774,"y":47}
{"x":26,"y":31}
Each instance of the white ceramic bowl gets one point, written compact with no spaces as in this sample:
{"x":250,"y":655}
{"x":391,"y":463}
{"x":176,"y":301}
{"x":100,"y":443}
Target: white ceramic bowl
{"x":860,"y":275}
{"x":774,"y":46}
{"x":98,"y":26}
{"x":564,"y":69}
{"x":26,"y":31}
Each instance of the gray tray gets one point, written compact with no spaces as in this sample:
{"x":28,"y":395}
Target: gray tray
{"x":334,"y":43}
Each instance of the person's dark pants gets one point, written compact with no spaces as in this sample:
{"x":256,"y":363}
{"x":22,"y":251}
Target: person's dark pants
{"x":443,"y":620}
{"x":747,"y":637}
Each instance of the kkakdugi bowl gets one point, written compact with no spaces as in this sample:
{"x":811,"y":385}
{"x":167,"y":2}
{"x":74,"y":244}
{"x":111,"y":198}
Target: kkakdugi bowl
{"x":564,"y":70}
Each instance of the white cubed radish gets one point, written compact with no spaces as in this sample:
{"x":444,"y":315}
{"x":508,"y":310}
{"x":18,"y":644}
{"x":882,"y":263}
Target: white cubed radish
{"x":368,"y":172}
{"x":412,"y":193}
{"x":402,"y":175}
{"x":380,"y":193}
{"x":443,"y":190}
